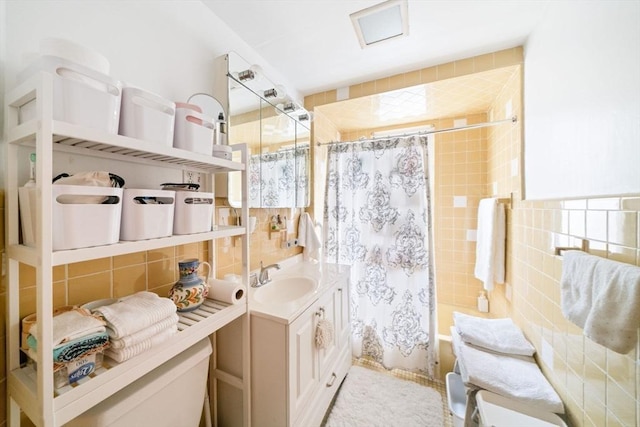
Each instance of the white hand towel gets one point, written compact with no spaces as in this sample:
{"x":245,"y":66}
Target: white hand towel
{"x":515,"y":377}
{"x":490,"y":244}
{"x":134,"y":313}
{"x":308,"y":237}
{"x":70,"y":325}
{"x":499,"y":335}
{"x":146,"y":333}
{"x":602,"y":297}
{"x":126,"y":353}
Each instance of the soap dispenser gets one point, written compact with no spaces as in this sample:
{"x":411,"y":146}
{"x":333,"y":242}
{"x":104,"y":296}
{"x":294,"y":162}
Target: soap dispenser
{"x":483,"y":303}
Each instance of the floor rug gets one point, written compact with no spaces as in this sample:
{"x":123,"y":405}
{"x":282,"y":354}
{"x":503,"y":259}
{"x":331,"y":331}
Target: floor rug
{"x":372,"y":399}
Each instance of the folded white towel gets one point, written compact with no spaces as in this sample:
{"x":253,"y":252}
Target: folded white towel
{"x":126,"y":353}
{"x":146,"y":333}
{"x":134,"y":313}
{"x":499,"y":335}
{"x":70,"y":325}
{"x":602,"y":297}
{"x":490,"y":244}
{"x":515,"y":377}
{"x":308,"y":238}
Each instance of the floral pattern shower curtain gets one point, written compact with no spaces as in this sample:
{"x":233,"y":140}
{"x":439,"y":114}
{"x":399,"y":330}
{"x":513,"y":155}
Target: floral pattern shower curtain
{"x":378,"y":220}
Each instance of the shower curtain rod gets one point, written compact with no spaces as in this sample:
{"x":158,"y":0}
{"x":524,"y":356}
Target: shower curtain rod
{"x":513,"y":119}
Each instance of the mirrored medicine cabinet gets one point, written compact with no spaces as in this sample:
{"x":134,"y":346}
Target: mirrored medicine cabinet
{"x":276,"y":131}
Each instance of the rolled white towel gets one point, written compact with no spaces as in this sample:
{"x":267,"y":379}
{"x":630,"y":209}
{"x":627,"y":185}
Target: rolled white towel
{"x":145,"y":334}
{"x":134,"y":313}
{"x":324,"y":334}
{"x":126,"y":353}
{"x":71,"y":325}
{"x":499,"y":335}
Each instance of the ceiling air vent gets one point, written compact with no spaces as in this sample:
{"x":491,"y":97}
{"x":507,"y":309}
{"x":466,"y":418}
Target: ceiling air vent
{"x":384,"y":21}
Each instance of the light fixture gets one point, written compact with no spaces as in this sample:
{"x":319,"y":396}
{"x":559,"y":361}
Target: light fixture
{"x":277,"y":92}
{"x":381,"y":22}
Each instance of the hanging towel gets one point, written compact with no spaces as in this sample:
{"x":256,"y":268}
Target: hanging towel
{"x":134,"y":313}
{"x":490,"y":244}
{"x":74,"y":349}
{"x":73,"y":324}
{"x":126,"y":353}
{"x":515,"y":377}
{"x":499,"y":335}
{"x":324,"y":334}
{"x":603,"y":298}
{"x":146,"y":333}
{"x":308,"y":238}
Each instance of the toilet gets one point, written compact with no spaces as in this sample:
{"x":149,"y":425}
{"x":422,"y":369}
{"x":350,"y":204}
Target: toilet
{"x":170,"y":395}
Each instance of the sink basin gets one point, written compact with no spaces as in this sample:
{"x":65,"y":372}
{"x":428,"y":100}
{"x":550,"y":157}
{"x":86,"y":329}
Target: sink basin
{"x":286,"y":289}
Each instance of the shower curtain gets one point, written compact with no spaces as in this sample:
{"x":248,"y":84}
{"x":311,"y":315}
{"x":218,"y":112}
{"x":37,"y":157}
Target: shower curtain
{"x":378,"y":220}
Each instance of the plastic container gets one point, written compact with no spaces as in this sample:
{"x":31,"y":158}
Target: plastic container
{"x":168,"y":396}
{"x":145,"y":115}
{"x":68,"y":373}
{"x":193,"y":213}
{"x":456,"y":398}
{"x":193,"y":130}
{"x":27,"y":202}
{"x":74,"y":52}
{"x":81,"y":96}
{"x":147,"y":214}
{"x":77,"y":224}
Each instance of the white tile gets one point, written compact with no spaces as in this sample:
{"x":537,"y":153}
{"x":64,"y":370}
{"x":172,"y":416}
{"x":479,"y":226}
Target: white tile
{"x":459,"y":201}
{"x":459,"y":123}
{"x":342,"y":93}
{"x":472,"y":235}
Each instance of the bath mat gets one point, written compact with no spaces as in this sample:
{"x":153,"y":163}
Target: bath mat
{"x":373,"y":399}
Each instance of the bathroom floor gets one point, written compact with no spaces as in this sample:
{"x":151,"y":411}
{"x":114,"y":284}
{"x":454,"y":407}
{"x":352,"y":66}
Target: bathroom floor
{"x":405,"y":375}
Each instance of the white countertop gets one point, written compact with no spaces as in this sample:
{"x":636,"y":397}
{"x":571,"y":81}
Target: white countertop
{"x":325,"y":275}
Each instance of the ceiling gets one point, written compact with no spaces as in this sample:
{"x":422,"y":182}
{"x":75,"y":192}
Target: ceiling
{"x":312,"y":43}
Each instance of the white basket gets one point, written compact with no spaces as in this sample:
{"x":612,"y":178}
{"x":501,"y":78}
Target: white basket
{"x":194,"y":212}
{"x":147,"y":214}
{"x":81,"y":96}
{"x":147,"y":116}
{"x":80,"y":225}
{"x":193,"y":131}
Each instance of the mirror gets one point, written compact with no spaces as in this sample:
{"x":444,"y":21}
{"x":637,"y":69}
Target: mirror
{"x":277,"y":138}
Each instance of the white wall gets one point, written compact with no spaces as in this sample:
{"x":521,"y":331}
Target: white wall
{"x":582,"y":101}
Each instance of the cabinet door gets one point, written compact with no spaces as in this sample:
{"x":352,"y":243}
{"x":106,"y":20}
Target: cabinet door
{"x":303,"y":361}
{"x":343,"y":329}
{"x":327,"y":310}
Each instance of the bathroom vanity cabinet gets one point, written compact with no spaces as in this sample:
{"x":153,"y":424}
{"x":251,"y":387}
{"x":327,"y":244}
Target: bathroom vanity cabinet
{"x":33,"y":391}
{"x":292,"y":380}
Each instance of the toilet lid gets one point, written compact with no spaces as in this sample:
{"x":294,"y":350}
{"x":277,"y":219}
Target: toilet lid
{"x":499,"y":411}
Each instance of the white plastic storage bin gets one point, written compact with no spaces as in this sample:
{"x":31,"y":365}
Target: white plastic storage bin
{"x":193,"y":130}
{"x":27,"y":202}
{"x":81,"y":96}
{"x":147,"y":116}
{"x":81,"y":220}
{"x":147,"y":214}
{"x":169,"y":396}
{"x":456,"y":398}
{"x":194,"y":212}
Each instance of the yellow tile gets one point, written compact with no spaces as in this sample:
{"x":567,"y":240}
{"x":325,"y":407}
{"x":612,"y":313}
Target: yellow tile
{"x":412,"y":78}
{"x":621,"y":254}
{"x":355,"y":91}
{"x":369,"y":88}
{"x":129,"y":259}
{"x":161,"y":273}
{"x":428,"y":75}
{"x":190,"y":250}
{"x":87,"y":288}
{"x":507,"y":57}
{"x":396,"y":82}
{"x":621,"y":404}
{"x":484,"y":62}
{"x":446,"y":71}
{"x":89,"y":267}
{"x":129,"y":280}
{"x":382,"y":85}
{"x":464,"y":67}
{"x":27,"y":275}
{"x":161,"y":254}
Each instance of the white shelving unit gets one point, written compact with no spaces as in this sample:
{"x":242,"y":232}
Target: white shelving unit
{"x":33,"y":391}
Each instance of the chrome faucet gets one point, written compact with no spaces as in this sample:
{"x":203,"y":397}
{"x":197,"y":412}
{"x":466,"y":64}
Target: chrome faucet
{"x":263,"y":277}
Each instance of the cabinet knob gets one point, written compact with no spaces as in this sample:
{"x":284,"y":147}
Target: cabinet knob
{"x":320,"y":312}
{"x":339,"y":289}
{"x":332,"y":380}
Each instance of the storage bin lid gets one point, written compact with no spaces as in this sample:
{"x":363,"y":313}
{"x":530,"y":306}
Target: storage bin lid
{"x":499,"y":411}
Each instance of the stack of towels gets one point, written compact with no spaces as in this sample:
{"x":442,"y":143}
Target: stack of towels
{"x":76,"y":334}
{"x":138,"y":322}
{"x":494,"y":355}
